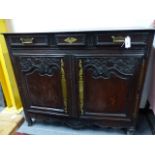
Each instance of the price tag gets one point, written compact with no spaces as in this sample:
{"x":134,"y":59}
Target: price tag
{"x":127,"y":42}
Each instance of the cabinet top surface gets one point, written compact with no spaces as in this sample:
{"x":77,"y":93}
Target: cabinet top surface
{"x":88,"y":31}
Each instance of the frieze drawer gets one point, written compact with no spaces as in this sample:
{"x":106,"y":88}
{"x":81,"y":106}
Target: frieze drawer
{"x":70,"y":39}
{"x":28,"y":40}
{"x":117,"y":39}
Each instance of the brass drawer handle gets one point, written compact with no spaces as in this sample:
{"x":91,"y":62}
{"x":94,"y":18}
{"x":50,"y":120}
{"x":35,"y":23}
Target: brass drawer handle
{"x":70,"y":40}
{"x":118,"y":39}
{"x":26,"y":40}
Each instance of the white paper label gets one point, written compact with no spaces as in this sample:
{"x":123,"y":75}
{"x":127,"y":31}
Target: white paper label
{"x":127,"y":42}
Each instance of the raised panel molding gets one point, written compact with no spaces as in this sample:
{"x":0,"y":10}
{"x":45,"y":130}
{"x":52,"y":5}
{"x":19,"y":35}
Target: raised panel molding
{"x":44,"y":65}
{"x":106,"y":67}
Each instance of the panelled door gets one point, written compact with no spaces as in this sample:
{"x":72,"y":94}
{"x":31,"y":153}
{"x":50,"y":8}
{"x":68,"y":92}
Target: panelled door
{"x":44,"y":79}
{"x":107,"y":85}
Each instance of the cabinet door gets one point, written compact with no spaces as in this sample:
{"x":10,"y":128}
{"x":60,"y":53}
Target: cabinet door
{"x":107,"y":85}
{"x":43,"y":82}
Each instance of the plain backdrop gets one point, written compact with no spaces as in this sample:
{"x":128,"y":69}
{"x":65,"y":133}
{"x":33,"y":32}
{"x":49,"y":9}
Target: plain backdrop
{"x":75,"y":15}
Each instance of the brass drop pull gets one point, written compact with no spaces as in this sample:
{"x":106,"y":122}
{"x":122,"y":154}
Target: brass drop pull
{"x":81,"y":87}
{"x":118,"y":39}
{"x":64,"y":87}
{"x":27,"y":40}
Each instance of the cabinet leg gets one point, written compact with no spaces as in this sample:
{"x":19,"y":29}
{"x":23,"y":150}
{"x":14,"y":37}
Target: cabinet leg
{"x":150,"y":117}
{"x":29,"y":120}
{"x":130,"y":131}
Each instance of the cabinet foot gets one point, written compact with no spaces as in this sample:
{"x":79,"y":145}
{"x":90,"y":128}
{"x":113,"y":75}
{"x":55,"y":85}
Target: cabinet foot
{"x":130,"y":131}
{"x":29,"y":121}
{"x":150,"y":117}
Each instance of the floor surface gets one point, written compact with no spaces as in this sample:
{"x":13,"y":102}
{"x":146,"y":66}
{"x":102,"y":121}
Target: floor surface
{"x":42,"y":128}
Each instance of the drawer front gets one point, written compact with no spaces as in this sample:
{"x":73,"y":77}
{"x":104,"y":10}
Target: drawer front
{"x":118,"y":39}
{"x":28,"y":40}
{"x":70,"y":39}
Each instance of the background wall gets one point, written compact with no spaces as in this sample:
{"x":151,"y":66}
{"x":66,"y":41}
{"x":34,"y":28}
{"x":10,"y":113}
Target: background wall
{"x":64,"y":15}
{"x":67,"y":24}
{"x":71,"y":15}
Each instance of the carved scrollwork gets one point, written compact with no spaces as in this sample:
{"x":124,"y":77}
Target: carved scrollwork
{"x":105,"y":67}
{"x":43,"y":65}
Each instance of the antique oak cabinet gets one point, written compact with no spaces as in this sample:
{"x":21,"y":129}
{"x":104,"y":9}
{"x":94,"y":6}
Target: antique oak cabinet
{"x":82,"y":78}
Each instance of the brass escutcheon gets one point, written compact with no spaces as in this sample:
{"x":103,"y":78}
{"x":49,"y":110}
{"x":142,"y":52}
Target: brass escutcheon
{"x":70,"y":40}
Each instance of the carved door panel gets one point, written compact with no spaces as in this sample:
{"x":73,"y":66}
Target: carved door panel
{"x":107,"y":85}
{"x":43,"y":82}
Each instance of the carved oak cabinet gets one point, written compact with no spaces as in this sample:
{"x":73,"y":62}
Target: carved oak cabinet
{"x":82,"y":78}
